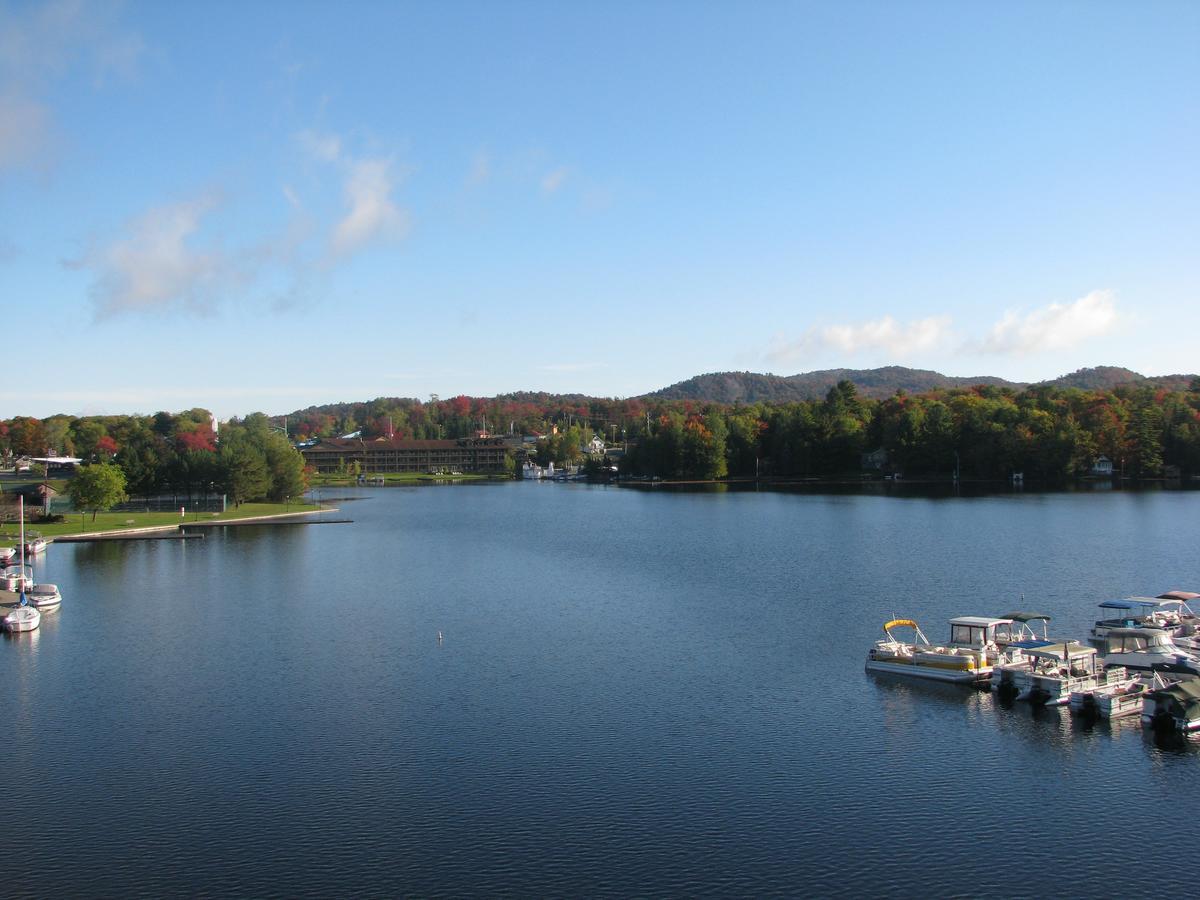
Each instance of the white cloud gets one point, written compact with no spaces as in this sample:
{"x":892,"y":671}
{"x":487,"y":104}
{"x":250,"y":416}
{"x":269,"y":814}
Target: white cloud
{"x":24,"y":130}
{"x":325,"y":147}
{"x":41,"y":44}
{"x":555,"y":179}
{"x":884,"y":335}
{"x":155,"y":265}
{"x":371,"y":213}
{"x":1055,"y":327}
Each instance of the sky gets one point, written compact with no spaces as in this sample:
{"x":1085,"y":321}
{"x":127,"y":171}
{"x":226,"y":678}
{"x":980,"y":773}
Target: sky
{"x":258,"y":207}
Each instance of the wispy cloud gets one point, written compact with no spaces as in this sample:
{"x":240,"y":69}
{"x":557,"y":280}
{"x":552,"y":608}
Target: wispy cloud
{"x":156,"y":264}
{"x":884,"y":335}
{"x":325,"y":147}
{"x":481,"y":169}
{"x":553,"y":180}
{"x":1054,"y":327}
{"x":371,"y":212}
{"x":25,"y":131}
{"x":40,"y":44}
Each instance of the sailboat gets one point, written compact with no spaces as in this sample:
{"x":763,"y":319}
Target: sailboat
{"x":24,"y":617}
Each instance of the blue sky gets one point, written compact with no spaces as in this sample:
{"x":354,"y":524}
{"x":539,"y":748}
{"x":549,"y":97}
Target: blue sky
{"x":262,"y":206}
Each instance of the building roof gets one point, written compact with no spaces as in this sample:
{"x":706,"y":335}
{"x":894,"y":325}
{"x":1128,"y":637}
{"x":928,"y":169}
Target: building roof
{"x":344,"y":444}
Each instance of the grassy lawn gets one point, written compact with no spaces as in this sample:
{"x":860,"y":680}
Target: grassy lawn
{"x":396,"y":478}
{"x":118,"y":521}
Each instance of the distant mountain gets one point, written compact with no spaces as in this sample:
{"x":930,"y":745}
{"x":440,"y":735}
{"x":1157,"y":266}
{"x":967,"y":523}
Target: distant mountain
{"x":1105,"y":378}
{"x":750,"y":387}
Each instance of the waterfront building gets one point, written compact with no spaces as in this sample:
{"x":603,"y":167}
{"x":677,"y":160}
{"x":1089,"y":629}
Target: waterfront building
{"x":399,"y":455}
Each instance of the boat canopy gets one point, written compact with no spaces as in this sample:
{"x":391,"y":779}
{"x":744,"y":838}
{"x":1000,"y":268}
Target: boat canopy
{"x":1182,"y":596}
{"x":1062,"y":651}
{"x":1027,"y":617}
{"x":979,"y":621}
{"x":1129,"y":603}
{"x":1134,"y":632}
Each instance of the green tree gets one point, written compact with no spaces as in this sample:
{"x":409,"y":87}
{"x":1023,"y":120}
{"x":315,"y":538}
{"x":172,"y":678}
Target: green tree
{"x":243,"y":471}
{"x":97,"y":487}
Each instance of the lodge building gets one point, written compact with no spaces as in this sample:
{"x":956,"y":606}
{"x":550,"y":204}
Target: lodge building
{"x":396,"y":455}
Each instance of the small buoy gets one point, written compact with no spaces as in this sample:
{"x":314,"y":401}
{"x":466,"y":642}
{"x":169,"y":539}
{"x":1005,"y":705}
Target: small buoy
{"x":439,"y":637}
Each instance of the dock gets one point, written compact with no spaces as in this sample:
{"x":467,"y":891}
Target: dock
{"x":246,"y":523}
{"x":127,"y":536}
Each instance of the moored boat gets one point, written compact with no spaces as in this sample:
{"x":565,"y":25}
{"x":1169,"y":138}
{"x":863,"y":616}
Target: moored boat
{"x":44,"y":597}
{"x":1146,"y":649}
{"x":1176,"y":706}
{"x":1119,"y":694}
{"x":1048,"y":674}
{"x":967,"y":658}
{"x":16,"y":578}
{"x":35,"y":545}
{"x":23,"y":618}
{"x":6,"y":555}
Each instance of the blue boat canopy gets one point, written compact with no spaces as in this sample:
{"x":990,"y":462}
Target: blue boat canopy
{"x":1131,"y":603}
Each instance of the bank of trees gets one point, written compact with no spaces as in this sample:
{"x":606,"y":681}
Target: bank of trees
{"x":169,"y":453}
{"x":985,"y":432}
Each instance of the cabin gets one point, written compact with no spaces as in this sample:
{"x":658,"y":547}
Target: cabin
{"x":1101,"y":466}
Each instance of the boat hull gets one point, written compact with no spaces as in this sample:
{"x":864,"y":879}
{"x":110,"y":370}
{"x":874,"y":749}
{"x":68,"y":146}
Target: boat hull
{"x":26,"y":618}
{"x":929,"y":671}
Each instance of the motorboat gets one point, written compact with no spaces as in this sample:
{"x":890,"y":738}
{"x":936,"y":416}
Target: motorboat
{"x":967,"y":658}
{"x":23,"y":618}
{"x":1129,"y":612}
{"x":6,"y":555}
{"x":1176,"y":706}
{"x":16,"y":578}
{"x":35,"y":545}
{"x":1174,"y":605}
{"x":1048,"y":674}
{"x":44,"y":597}
{"x":1146,"y":649}
{"x":1121,"y":694}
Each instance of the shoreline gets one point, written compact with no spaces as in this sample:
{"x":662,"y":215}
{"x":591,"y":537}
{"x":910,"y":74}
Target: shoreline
{"x":179,"y":526}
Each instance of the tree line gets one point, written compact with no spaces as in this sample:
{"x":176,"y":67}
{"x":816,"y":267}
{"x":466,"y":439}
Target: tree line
{"x":985,"y":431}
{"x":170,"y":453}
{"x":982,"y":432}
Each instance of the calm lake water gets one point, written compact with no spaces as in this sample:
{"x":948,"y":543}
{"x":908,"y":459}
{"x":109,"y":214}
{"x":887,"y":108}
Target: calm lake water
{"x":635,"y":693}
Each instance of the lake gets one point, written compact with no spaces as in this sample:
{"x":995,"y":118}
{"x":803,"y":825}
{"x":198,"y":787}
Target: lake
{"x":564,"y":690}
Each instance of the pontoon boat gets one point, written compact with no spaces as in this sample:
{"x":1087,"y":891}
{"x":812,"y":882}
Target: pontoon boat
{"x":1047,"y":675}
{"x":1175,"y":706}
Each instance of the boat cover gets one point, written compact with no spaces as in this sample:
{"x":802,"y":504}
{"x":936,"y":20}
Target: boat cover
{"x":1027,"y":616}
{"x":1130,"y":603}
{"x":1059,"y":650}
{"x":1179,"y":595}
{"x":1186,"y":693}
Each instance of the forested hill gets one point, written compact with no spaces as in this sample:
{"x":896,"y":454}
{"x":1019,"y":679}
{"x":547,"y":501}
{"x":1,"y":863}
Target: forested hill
{"x":750,"y":387}
{"x":1105,"y":378}
{"x":878,"y":384}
